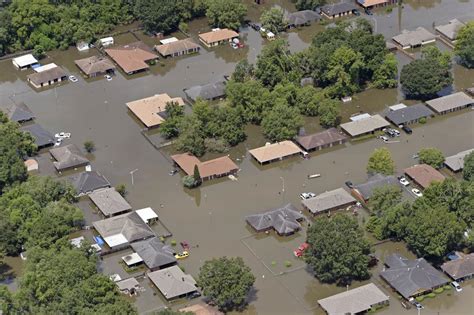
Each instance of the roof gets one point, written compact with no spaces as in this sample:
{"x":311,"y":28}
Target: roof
{"x":132,"y":259}
{"x":208,"y":91}
{"x":409,"y":113}
{"x":201,"y":309}
{"x":283,"y":220}
{"x":109,"y":201}
{"x":353,"y":301}
{"x":42,"y":136}
{"x":154,"y":253}
{"x":456,"y":162}
{"x":369,"y":3}
{"x":414,"y":38}
{"x":302,"y":17}
{"x":411,"y":277}
{"x":325,"y":137}
{"x":216,"y":167}
{"x":20,"y":112}
{"x":218,"y":35}
{"x":461,"y":267}
{"x":362,"y":126}
{"x":174,"y":47}
{"x":173,"y":282}
{"x":337,"y":8}
{"x":451,"y":29}
{"x":360,"y":116}
{"x":31,"y":165}
{"x":275,"y":151}
{"x":328,"y":200}
{"x":52,"y":74}
{"x":45,"y":67}
{"x":424,"y":174}
{"x":147,"y":214}
{"x":132,"y":57}
{"x":450,"y":102}
{"x":94,"y":64}
{"x":68,"y":156}
{"x":378,"y":180}
{"x":148,"y":109}
{"x":124,"y":228}
{"x":397,"y":106}
{"x":25,"y":60}
{"x":86,"y":182}
{"x":127,"y":284}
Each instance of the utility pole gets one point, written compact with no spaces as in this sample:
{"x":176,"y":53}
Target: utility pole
{"x":131,"y":174}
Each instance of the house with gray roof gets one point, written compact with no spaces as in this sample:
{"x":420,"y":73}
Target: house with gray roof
{"x":300,"y":18}
{"x":409,"y":115}
{"x":155,"y":254}
{"x":365,"y":190}
{"x":173,"y":282}
{"x":365,"y":126}
{"x":411,"y":278}
{"x":67,"y":157}
{"x":284,"y":220}
{"x":329,"y":200}
{"x":354,"y":301}
{"x":128,"y":286}
{"x":109,"y":202}
{"x":20,"y":113}
{"x":208,"y":92}
{"x":42,"y":137}
{"x":335,"y":10}
{"x":450,"y":31}
{"x":416,"y":38}
{"x":87,"y":182}
{"x":461,"y":268}
{"x":450,"y":103}
{"x":456,"y":162}
{"x":321,"y":140}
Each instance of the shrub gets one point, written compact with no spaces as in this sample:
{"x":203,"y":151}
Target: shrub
{"x":420,"y":298}
{"x":274,"y":263}
{"x":438,"y":290}
{"x":447,"y":287}
{"x":190,"y":182}
{"x":183,"y":26}
{"x":422,"y":120}
{"x":431,"y":295}
{"x":121,"y":189}
{"x":89,"y":146}
{"x":173,"y":242}
{"x":288,"y":264}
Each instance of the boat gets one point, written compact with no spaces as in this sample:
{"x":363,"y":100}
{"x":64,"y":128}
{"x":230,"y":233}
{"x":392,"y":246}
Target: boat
{"x":314,"y":176}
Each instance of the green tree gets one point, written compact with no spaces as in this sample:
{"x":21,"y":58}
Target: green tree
{"x":385,"y":76}
{"x":273,"y":20}
{"x":346,"y":67}
{"x":197,"y":175}
{"x":226,"y":13}
{"x":157,"y":15}
{"x":243,"y":71}
{"x":338,"y":251}
{"x":89,"y":146}
{"x":250,"y":98}
{"x":464,"y":47}
{"x":226,"y":282}
{"x":308,"y":99}
{"x":381,"y":162}
{"x":121,"y":189}
{"x":309,"y":4}
{"x":329,"y":113}
{"x":468,"y":170}
{"x":282,"y":122}
{"x":191,"y":138}
{"x":431,"y":156}
{"x":385,"y":197}
{"x":174,"y":116}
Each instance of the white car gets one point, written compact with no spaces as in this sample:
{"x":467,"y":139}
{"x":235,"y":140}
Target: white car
{"x":307,"y":195}
{"x":108,"y":77}
{"x":58,"y":142}
{"x":73,"y":79}
{"x":63,"y":135}
{"x":417,"y":192}
{"x":456,"y":286}
{"x":384,"y":138}
{"x":404,"y":181}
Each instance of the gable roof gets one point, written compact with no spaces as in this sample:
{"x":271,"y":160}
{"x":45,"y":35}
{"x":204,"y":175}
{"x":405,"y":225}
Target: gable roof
{"x":302,"y":17}
{"x":275,"y":151}
{"x":154,"y":252}
{"x":201,"y":309}
{"x":46,"y":76}
{"x":148,"y":109}
{"x":409,"y":113}
{"x":41,"y":136}
{"x":208,"y":91}
{"x":328,"y":200}
{"x":218,"y":35}
{"x":450,"y":102}
{"x":461,"y":267}
{"x":94,"y":64}
{"x":68,"y":156}
{"x":20,"y":113}
{"x":451,"y":29}
{"x":216,"y":167}
{"x":411,"y":277}
{"x":322,"y":138}
{"x":337,"y":8}
{"x":376,"y":181}
{"x":424,"y":174}
{"x":362,"y":126}
{"x":283,"y":220}
{"x":414,"y":38}
{"x":109,"y":201}
{"x":25,"y":60}
{"x":369,"y":3}
{"x":173,"y":282}
{"x":127,"y":284}
{"x":178,"y":46}
{"x":87,"y":182}
{"x":456,"y":162}
{"x":132,"y":57}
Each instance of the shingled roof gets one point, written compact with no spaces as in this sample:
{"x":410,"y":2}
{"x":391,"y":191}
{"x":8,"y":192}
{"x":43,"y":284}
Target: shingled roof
{"x":328,"y":200}
{"x":94,"y":64}
{"x":87,"y":182}
{"x":456,"y":162}
{"x":132,"y":57}
{"x":154,"y":253}
{"x":376,"y":181}
{"x":68,"y":156}
{"x":42,"y":137}
{"x":321,"y":139}
{"x":461,"y":267}
{"x":20,"y":113}
{"x":109,"y":201}
{"x":210,"y":91}
{"x":173,"y":282}
{"x":275,"y":151}
{"x":302,"y":17}
{"x":409,"y":114}
{"x":177,"y":47}
{"x":283,"y":220}
{"x":424,"y":174}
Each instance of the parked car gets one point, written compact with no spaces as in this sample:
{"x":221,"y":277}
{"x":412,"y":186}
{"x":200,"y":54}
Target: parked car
{"x":418,"y":305}
{"x":456,"y":286}
{"x":395,"y":132}
{"x":73,"y":78}
{"x":193,"y":295}
{"x":307,"y":195}
{"x":182,"y":255}
{"x":407,"y":130}
{"x":108,"y":77}
{"x":404,"y":181}
{"x":384,"y":138}
{"x":63,"y":135}
{"x":349,"y":184}
{"x":368,"y":12}
{"x":356,"y":12}
{"x":417,"y":192}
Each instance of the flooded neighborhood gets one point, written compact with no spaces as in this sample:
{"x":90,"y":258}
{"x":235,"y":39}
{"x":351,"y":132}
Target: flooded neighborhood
{"x":193,"y":225}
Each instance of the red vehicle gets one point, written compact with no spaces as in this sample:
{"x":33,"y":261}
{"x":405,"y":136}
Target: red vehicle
{"x":184,"y":245}
{"x":301,"y":249}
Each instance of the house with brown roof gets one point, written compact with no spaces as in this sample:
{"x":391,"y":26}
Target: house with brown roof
{"x":321,"y":140}
{"x":369,"y":4}
{"x":424,"y":175}
{"x":201,"y":309}
{"x":151,"y":111}
{"x":217,"y":36}
{"x":95,"y":66}
{"x":132,"y":58}
{"x":275,"y":151}
{"x":47,"y":77}
{"x":215,"y":168}
{"x":461,"y":268}
{"x":178,"y":48}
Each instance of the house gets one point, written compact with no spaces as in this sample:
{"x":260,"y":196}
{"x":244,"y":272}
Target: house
{"x":460,"y":269}
{"x":409,"y":114}
{"x":67,"y":157}
{"x":365,"y":126}
{"x":46,"y":76}
{"x":217,"y":36}
{"x":132,"y":58}
{"x":95,"y":66}
{"x":370,"y":4}
{"x":215,"y":168}
{"x":411,"y":278}
{"x":423,"y":175}
{"x":275,"y":152}
{"x":365,"y":191}
{"x":151,"y":111}
{"x":208,"y":92}
{"x":148,"y":215}
{"x":328,"y":201}
{"x":201,"y":309}
{"x":24,"y":62}
{"x":412,"y":39}
{"x":355,"y":301}
{"x":87,"y":182}
{"x":284,"y":220}
{"x":154,"y":253}
{"x":321,"y":140}
{"x":128,"y":286}
{"x":109,"y":202}
{"x":178,"y":48}
{"x":122,"y":230}
{"x":456,"y":162}
{"x":332,"y":11}
{"x":450,"y":31}
{"x":450,"y":103}
{"x":173,"y":282}
{"x":301,"y":18}
{"x":42,"y":137}
{"x":20,"y":113}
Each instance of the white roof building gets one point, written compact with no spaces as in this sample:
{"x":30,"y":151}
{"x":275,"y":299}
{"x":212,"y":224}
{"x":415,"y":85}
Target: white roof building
{"x":168,"y":40}
{"x":24,"y":61}
{"x":397,"y":107}
{"x":132,"y":259}
{"x":49,"y":66}
{"x":147,"y":214}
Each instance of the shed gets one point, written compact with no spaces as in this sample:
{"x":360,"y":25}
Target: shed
{"x":42,"y":137}
{"x":109,"y":202}
{"x":450,"y":103}
{"x":329,"y":200}
{"x":321,"y":140}
{"x":275,"y":152}
{"x":409,"y":115}
{"x":67,"y":157}
{"x":31,"y":165}
{"x":24,"y":62}
{"x":173,"y":282}
{"x":284,"y":220}
{"x":424,"y":175}
{"x":128,"y":286}
{"x":106,"y":41}
{"x":456,"y":162}
{"x":365,"y":126}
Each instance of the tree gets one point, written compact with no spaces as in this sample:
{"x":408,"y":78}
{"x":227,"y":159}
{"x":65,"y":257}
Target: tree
{"x":226,"y":13}
{"x":308,"y":100}
{"x":346,"y":67}
{"x":338,"y":251}
{"x":250,"y":98}
{"x":468,"y":170}
{"x":273,"y":20}
{"x":431,"y":156}
{"x":196,"y":174}
{"x":464,"y":47}
{"x":157,"y":15}
{"x":329,"y":113}
{"x":385,"y":76}
{"x":174,"y":116}
{"x":384,"y":197}
{"x":309,"y":4}
{"x":89,"y":146}
{"x":191,"y":138}
{"x":243,"y":71}
{"x":282,"y":122}
{"x":226,"y":282}
{"x":381,"y":162}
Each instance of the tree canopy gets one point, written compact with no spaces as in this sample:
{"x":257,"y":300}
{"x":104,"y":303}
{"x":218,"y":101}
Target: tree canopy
{"x":431,"y":156}
{"x":273,"y":20}
{"x":282,"y":122}
{"x":468,"y":170}
{"x":464,"y":47}
{"x":226,"y":13}
{"x":309,"y":4}
{"x":381,"y":162}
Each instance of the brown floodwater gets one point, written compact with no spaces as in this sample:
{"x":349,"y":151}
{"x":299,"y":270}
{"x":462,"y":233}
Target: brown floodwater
{"x":211,"y":218}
